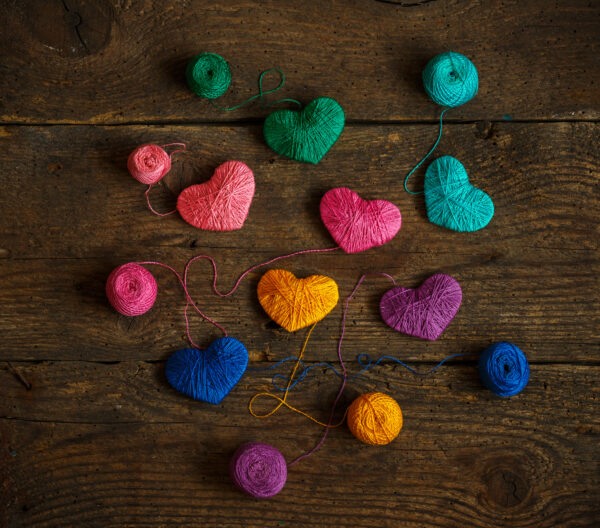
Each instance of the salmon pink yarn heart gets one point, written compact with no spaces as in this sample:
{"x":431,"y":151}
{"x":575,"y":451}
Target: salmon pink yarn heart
{"x":223,"y":202}
{"x":357,"y":224}
{"x":424,"y":312}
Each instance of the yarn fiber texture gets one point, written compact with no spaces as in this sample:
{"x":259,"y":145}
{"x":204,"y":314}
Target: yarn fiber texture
{"x":131,"y":289}
{"x":208,"y":75}
{"x":148,"y":163}
{"x":424,"y":312}
{"x":450,"y":79}
{"x":208,"y":375}
{"x":308,"y":134}
{"x":258,"y":469}
{"x":375,"y":418}
{"x":452,"y":201}
{"x":357,"y":224}
{"x":296,"y":303}
{"x":223,"y":202}
{"x":504,"y":369}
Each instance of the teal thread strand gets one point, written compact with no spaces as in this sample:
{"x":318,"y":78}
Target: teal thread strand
{"x":428,"y":154}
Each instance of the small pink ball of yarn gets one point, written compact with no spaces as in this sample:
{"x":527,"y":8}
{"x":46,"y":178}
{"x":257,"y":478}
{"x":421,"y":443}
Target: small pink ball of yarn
{"x":149,"y":163}
{"x":131,"y":289}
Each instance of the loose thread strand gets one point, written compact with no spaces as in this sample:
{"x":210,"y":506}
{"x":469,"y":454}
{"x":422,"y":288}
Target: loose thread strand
{"x":250,"y":270}
{"x":283,"y":401}
{"x":189,"y":301}
{"x":342,"y":365}
{"x":428,"y":154}
{"x":261,"y":93}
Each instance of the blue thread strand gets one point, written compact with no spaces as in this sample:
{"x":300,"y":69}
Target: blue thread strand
{"x":363,"y":359}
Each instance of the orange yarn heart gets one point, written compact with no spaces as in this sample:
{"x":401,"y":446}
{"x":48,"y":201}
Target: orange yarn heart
{"x":295,"y":303}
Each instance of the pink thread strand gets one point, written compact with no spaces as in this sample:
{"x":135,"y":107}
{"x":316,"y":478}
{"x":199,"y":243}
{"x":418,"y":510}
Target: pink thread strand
{"x":342,"y":365}
{"x":249,"y":270}
{"x":152,"y":209}
{"x":150,"y":186}
{"x":189,"y":301}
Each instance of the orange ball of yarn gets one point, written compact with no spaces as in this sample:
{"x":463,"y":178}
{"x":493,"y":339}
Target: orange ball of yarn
{"x":375,"y":418}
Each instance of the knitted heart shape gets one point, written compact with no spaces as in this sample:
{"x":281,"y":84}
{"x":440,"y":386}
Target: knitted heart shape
{"x":221,"y":203}
{"x":451,"y":200}
{"x":423,"y":312}
{"x":308,"y":134}
{"x":295,"y":303}
{"x":357,"y":224}
{"x":208,"y":375}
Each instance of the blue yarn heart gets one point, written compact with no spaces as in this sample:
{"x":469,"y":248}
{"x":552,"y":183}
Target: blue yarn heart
{"x":451,"y":200}
{"x":208,"y":375}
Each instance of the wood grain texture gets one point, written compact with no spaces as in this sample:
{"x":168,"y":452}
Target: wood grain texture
{"x":122,"y":449}
{"x":81,"y":215}
{"x":92,"y":436}
{"x":122,"y":61}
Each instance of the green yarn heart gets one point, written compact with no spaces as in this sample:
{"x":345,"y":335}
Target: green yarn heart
{"x":451,"y":200}
{"x":308,"y":134}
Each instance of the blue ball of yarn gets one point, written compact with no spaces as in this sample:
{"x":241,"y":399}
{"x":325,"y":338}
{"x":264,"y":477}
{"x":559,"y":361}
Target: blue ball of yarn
{"x":504,"y":369}
{"x":210,"y":374}
{"x":450,"y":79}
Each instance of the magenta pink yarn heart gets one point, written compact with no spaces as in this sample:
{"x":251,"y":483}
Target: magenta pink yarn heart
{"x":423,"y":312}
{"x":357,"y":224}
{"x":223,"y":202}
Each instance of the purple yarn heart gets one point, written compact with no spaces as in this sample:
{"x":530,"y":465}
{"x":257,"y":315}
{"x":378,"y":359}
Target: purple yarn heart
{"x":425,"y":311}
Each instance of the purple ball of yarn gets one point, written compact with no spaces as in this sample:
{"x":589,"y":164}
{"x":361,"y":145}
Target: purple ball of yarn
{"x":258,"y":469}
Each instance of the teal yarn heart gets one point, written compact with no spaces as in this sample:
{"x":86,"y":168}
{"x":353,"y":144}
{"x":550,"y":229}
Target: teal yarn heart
{"x":451,"y":200}
{"x":208,"y":375}
{"x":307,"y":134}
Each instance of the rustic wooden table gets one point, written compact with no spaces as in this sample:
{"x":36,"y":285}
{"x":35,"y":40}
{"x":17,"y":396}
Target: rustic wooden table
{"x":92,"y":435}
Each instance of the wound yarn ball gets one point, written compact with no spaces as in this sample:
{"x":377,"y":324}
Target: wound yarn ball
{"x":308,"y":134}
{"x":375,"y":418}
{"x":450,"y":79}
{"x":357,"y":224}
{"x":258,"y":469}
{"x":452,"y":201}
{"x":208,"y":375}
{"x":148,"y":163}
{"x":131,"y":289}
{"x":208,"y":75}
{"x":223,"y":202}
{"x":504,"y":369}
{"x":296,"y":303}
{"x":423,"y":312}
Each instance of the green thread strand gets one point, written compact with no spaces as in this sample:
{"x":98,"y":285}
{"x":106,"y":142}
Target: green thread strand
{"x":261,"y":93}
{"x":428,"y":154}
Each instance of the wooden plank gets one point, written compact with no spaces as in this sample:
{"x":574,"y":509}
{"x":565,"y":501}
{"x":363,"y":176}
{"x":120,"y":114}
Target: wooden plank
{"x":530,"y":276}
{"x":67,"y":193}
{"x":129,"y":455}
{"x":57,"y":309}
{"x":123,"y":61}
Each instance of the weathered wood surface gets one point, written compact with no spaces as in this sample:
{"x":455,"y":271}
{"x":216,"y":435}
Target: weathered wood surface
{"x":463,"y":458}
{"x":83,"y":215}
{"x":122,"y":61}
{"x":91,"y":435}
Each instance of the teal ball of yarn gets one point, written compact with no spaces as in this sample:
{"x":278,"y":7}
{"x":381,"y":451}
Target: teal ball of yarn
{"x":450,"y":79}
{"x":208,"y":75}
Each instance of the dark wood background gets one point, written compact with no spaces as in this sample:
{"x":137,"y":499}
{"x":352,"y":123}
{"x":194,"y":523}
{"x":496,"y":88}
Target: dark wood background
{"x":91,"y":435}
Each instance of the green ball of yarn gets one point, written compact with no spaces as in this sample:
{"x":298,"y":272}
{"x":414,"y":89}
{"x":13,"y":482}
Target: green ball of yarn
{"x":450,"y":79}
{"x":208,"y":75}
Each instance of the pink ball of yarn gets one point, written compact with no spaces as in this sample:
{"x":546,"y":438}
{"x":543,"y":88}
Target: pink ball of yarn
{"x":149,"y":163}
{"x":131,"y":289}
